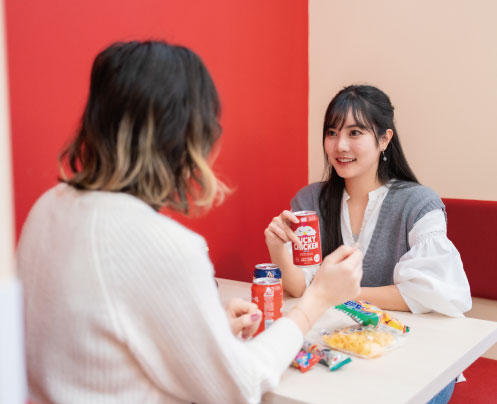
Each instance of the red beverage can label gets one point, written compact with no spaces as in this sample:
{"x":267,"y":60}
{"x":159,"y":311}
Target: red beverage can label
{"x":267,"y":294}
{"x":307,"y":230}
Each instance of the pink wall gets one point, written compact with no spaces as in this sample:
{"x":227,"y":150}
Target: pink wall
{"x":257,"y":54}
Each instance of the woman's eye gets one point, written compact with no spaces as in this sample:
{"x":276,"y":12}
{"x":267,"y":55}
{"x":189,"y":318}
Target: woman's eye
{"x":330,"y":133}
{"x":355,"y":133}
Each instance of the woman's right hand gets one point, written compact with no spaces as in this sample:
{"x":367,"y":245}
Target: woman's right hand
{"x":338,"y":279}
{"x":279,"y":232}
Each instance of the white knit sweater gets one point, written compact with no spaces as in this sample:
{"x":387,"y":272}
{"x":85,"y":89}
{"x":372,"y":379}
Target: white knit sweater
{"x":121,"y":307}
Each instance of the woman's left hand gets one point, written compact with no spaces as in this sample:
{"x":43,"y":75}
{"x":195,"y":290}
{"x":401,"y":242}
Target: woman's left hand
{"x":243,"y":316}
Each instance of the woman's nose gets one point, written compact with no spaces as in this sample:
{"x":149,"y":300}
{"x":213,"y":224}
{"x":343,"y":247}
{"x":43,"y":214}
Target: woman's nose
{"x":342,"y":144}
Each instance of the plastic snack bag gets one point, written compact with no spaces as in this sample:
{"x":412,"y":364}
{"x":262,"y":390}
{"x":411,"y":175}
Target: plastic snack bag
{"x":366,"y":314}
{"x":365,"y":342}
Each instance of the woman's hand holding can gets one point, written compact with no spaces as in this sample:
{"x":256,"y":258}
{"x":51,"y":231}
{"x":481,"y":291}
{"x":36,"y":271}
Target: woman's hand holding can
{"x":279,"y":232}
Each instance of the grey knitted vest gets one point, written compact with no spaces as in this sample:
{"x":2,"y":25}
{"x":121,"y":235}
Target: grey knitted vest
{"x":404,"y":204}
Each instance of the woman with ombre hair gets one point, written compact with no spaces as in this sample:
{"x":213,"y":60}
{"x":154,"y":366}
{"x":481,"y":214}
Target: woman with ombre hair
{"x":121,"y":302}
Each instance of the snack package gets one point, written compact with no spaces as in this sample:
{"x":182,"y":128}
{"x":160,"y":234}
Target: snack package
{"x":365,"y":342}
{"x":334,"y":359}
{"x":330,"y":358}
{"x":305,"y":360}
{"x":308,"y":346}
{"x":366,"y":314}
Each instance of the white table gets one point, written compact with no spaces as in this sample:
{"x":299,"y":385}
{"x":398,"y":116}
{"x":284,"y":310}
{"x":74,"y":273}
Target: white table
{"x":436,"y":350}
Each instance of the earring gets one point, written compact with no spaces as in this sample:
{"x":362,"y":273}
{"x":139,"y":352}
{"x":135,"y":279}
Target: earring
{"x":384,"y":157}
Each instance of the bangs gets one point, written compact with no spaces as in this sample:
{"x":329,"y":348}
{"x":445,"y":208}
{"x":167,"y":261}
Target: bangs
{"x":337,"y":114}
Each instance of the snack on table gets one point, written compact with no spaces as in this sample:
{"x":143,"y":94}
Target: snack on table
{"x":305,"y":360}
{"x":330,"y":358}
{"x":334,"y":360}
{"x":366,"y":342}
{"x":366,"y":314}
{"x":308,"y":346}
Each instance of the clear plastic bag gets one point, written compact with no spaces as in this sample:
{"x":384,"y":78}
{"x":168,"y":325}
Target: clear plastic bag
{"x":363,"y":341}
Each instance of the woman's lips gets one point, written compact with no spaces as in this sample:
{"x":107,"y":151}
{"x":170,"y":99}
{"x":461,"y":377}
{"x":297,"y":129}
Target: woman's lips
{"x":344,"y":160}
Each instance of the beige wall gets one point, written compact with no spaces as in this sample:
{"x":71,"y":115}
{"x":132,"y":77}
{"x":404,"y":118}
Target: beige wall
{"x":6,"y":213}
{"x":437,"y":60}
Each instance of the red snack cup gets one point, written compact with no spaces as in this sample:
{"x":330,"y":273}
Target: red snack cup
{"x":307,"y":230}
{"x":267,"y":293}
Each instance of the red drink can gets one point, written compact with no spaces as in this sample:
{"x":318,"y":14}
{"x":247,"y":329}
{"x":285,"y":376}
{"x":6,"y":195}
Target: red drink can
{"x":267,"y":293}
{"x":307,"y":230}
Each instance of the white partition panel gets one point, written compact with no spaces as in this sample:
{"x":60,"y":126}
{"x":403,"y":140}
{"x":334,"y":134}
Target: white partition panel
{"x":12,"y":373}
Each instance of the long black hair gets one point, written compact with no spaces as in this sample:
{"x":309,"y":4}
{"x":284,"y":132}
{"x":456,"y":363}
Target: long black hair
{"x":371,"y":108}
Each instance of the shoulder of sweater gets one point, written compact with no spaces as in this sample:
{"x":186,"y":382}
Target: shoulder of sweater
{"x":311,"y":189}
{"x":307,"y":197}
{"x":121,"y":217}
{"x":413,"y":192}
{"x":146,"y":223}
{"x":124,"y":218}
{"x":416,"y":200}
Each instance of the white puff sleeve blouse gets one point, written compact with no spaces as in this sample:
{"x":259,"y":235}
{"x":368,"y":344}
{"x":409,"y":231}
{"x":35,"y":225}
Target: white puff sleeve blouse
{"x":430,"y":276}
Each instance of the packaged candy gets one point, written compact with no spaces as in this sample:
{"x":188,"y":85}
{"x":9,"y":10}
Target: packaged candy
{"x":330,"y":358}
{"x":366,"y":314}
{"x":305,"y":360}
{"x":334,"y":359}
{"x":308,"y":346}
{"x":365,"y":342}
{"x":394,"y":323}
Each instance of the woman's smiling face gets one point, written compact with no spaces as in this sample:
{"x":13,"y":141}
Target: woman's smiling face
{"x":352,"y":150}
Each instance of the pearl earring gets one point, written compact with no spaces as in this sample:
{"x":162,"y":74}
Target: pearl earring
{"x":384,"y":157}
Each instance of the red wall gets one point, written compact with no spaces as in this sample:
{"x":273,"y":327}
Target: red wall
{"x":257,"y":54}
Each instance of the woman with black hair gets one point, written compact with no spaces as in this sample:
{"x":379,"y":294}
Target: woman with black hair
{"x":371,"y":198}
{"x":121,"y":304}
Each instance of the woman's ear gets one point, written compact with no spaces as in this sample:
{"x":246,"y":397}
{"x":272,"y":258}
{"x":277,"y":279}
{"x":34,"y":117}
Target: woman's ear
{"x":385,"y":140}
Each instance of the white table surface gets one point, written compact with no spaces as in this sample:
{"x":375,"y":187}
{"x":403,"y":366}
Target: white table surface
{"x":435,"y":351}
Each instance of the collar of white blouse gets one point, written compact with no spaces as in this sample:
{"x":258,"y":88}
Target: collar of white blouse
{"x":375,"y":201}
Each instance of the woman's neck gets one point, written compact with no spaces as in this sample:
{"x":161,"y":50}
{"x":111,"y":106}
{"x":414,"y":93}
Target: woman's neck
{"x":359,"y":188}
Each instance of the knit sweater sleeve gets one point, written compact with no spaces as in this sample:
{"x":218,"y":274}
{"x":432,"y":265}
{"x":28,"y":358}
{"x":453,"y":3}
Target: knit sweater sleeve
{"x":166,"y":307}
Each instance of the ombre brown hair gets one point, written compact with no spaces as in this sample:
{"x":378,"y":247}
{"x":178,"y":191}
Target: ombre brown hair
{"x":148,"y":127}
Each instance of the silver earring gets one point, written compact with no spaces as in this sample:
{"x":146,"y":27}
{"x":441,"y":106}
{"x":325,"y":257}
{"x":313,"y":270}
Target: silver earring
{"x":384,"y":157}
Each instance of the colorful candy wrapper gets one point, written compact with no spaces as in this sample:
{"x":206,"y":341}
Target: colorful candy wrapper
{"x":308,"y":346}
{"x":305,"y":360}
{"x":334,"y":359}
{"x":366,"y":314}
{"x":330,"y":358}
